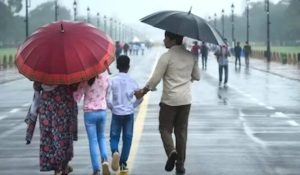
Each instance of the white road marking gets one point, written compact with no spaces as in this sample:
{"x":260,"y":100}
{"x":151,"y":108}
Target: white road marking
{"x":252,"y":98}
{"x":249,"y":133}
{"x":270,"y":107}
{"x":3,"y":117}
{"x":293,"y":123}
{"x":26,"y":104}
{"x":14,"y":129}
{"x":279,"y":115}
{"x":14,"y":110}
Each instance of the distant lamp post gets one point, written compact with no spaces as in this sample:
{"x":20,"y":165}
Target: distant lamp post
{"x":223,"y":21}
{"x":119,"y":31}
{"x":267,"y":8}
{"x":105,"y":29}
{"x":123,"y":32}
{"x":111,"y":28}
{"x":98,"y":20}
{"x":26,"y":19}
{"x":232,"y":23}
{"x":247,"y":16}
{"x":75,"y":10}
{"x":88,"y":14}
{"x":115,"y":30}
{"x":215,"y":21}
{"x":56,"y":9}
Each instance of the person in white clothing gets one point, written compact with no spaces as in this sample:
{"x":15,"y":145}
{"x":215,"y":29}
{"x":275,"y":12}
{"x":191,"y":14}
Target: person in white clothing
{"x":122,"y":102}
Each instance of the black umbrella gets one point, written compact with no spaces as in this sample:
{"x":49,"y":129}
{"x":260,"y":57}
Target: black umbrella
{"x":185,"y":24}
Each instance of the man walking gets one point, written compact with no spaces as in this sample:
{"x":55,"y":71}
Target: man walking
{"x":222,"y":57}
{"x":247,"y":52}
{"x":237,"y":53}
{"x":204,"y":53}
{"x":178,"y":68}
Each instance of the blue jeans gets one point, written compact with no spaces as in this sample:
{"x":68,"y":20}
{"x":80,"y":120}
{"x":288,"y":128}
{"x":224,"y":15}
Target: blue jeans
{"x":121,"y":123}
{"x":95,"y":128}
{"x":221,"y":67}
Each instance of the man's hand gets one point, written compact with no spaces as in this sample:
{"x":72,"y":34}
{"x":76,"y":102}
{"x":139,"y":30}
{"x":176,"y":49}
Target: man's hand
{"x":139,"y":94}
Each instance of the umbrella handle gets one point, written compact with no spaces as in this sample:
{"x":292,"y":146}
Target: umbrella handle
{"x":107,"y":67}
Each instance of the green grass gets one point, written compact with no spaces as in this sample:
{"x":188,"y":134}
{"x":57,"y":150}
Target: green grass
{"x":7,"y":52}
{"x":288,"y":49}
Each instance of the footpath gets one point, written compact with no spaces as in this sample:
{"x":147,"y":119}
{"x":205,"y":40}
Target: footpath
{"x":8,"y":74}
{"x":290,"y":71}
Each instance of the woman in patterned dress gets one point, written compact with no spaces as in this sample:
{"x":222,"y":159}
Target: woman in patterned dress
{"x":57,"y":111}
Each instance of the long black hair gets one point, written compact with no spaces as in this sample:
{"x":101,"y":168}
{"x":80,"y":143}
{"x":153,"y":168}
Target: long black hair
{"x":91,"y":81}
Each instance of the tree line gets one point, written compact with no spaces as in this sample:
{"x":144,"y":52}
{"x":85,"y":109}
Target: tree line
{"x":285,"y":23}
{"x":284,"y":27}
{"x":12,"y":24}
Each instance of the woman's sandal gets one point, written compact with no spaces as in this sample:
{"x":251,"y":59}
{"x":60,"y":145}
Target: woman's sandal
{"x":58,"y":173}
{"x":68,"y":170}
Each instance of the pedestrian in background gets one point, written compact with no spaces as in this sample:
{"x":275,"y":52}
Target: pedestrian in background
{"x":222,"y":55}
{"x":94,"y":107}
{"x":57,"y":113}
{"x":121,"y":103}
{"x":237,"y":53}
{"x":247,"y":52}
{"x":118,"y":49}
{"x":196,"y":49}
{"x":126,"y":48}
{"x":204,"y":53}
{"x":178,"y":68}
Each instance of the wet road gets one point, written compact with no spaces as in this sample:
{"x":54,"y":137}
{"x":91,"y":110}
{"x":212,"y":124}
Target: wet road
{"x":250,"y":128}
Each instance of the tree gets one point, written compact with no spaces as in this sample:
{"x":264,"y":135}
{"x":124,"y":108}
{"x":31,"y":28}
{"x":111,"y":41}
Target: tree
{"x":293,"y":25}
{"x":284,"y":17}
{"x":44,"y":14}
{"x":15,"y":6}
{"x":5,"y":23}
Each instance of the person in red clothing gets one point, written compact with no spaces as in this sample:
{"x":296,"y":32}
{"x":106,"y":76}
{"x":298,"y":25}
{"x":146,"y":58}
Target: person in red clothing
{"x":196,"y":49}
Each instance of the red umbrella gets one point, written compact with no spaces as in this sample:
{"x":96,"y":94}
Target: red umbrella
{"x":65,"y":52}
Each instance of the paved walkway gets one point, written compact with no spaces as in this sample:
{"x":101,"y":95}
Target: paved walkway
{"x":8,"y":74}
{"x":284,"y":70}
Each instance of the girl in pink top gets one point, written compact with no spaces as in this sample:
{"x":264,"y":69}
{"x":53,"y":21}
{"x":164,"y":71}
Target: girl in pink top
{"x":94,"y":106}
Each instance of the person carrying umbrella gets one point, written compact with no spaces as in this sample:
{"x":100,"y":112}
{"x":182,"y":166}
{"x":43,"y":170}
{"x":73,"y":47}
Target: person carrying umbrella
{"x":177,"y":68}
{"x":56,"y":62}
{"x":222,"y":55}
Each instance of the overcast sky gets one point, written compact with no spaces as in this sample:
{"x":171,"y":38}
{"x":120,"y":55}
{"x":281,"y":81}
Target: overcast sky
{"x":130,"y":11}
{"x":133,"y":10}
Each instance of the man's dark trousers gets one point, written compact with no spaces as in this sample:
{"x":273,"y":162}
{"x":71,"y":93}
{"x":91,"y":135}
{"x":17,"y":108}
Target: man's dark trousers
{"x":174,"y":118}
{"x":221,"y":67}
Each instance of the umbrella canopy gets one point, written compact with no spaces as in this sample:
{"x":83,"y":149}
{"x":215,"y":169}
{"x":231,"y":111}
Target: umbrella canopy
{"x":65,"y":52}
{"x":185,"y":24}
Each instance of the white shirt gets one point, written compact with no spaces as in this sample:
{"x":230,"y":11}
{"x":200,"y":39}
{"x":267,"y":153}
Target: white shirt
{"x":122,"y":100}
